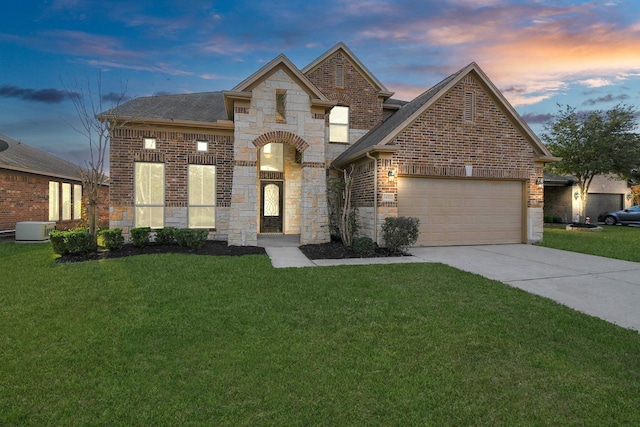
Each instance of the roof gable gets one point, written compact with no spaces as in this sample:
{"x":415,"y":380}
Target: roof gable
{"x":384,"y":133}
{"x":373,"y":80}
{"x":24,"y":158}
{"x":281,"y":62}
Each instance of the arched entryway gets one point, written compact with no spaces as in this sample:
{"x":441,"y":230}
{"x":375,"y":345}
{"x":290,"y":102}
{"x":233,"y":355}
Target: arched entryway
{"x":279,"y":182}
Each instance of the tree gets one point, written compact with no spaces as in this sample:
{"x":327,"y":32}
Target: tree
{"x":96,"y":123}
{"x":594,"y":143}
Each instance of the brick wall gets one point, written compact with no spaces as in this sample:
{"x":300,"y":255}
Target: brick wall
{"x":25,"y":197}
{"x":441,"y":142}
{"x":176,"y":150}
{"x":357,"y":92}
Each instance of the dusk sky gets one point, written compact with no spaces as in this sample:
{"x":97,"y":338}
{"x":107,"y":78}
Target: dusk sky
{"x":538,"y":53}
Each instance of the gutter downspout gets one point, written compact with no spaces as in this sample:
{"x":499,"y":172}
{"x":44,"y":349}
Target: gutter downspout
{"x":375,"y":197}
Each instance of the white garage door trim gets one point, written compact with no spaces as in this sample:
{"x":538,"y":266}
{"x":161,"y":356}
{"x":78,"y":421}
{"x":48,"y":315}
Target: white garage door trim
{"x":464,"y":211}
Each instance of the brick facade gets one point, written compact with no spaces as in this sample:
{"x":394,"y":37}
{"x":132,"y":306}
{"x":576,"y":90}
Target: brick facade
{"x":176,"y":149}
{"x":278,"y":104}
{"x":25,"y":197}
{"x":357,"y":93}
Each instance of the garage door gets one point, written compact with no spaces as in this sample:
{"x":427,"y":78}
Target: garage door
{"x":463,"y":212}
{"x":599,"y":203}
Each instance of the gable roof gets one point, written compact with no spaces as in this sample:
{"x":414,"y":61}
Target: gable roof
{"x":355,"y":61}
{"x":17,"y":156}
{"x":280,"y":62}
{"x":385,"y":132}
{"x":205,"y":107}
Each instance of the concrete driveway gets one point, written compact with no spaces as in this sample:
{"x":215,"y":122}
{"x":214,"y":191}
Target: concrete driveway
{"x":601,"y":287}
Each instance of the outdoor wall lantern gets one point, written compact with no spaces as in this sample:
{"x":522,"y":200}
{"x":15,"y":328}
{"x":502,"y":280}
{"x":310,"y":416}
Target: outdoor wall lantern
{"x":539,"y":181}
{"x":392,"y":175}
{"x":576,"y":195}
{"x":628,"y":196}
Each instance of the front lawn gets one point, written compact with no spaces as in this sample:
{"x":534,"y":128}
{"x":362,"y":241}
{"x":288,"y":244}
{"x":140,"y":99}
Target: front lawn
{"x":175,"y":339}
{"x":618,"y":242}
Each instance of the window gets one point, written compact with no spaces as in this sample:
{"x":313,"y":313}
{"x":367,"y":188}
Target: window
{"x":469,"y":107}
{"x":149,"y":195}
{"x":272,"y":157}
{"x":66,"y":201}
{"x":149,"y":143}
{"x":202,"y":146}
{"x":339,"y":75}
{"x":339,"y":124}
{"x":281,"y":103}
{"x":54,"y":201}
{"x":202,"y":196}
{"x":77,"y":201}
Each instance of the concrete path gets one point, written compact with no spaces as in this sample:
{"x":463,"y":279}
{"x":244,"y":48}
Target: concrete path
{"x":601,"y":287}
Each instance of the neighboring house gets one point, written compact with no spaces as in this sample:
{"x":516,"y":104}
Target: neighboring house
{"x":562,"y":197}
{"x":37,"y":186}
{"x":256,"y":159}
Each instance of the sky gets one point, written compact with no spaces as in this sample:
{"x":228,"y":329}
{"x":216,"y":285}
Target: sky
{"x":539,"y":53}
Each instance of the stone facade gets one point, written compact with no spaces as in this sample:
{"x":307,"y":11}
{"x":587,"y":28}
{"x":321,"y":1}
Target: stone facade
{"x":301,"y":131}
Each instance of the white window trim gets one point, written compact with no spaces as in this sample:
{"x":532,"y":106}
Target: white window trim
{"x":340,"y":125}
{"x":193,"y":205}
{"x":54,"y":201}
{"x":202,"y":146}
{"x":149,"y":143}
{"x":152,"y":205}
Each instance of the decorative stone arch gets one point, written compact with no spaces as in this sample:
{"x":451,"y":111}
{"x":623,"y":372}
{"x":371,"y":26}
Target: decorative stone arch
{"x":342,"y":98}
{"x":281,"y":136}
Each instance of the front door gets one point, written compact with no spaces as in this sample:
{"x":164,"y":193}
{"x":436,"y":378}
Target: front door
{"x":271,"y":207}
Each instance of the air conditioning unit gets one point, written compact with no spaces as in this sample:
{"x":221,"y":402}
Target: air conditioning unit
{"x":34,"y":231}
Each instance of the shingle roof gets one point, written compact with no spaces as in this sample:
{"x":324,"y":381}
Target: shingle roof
{"x":15,"y":155}
{"x":378,"y":133}
{"x":197,"y":107}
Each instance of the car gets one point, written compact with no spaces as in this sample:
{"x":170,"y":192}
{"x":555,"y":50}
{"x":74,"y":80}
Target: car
{"x":626,"y":216}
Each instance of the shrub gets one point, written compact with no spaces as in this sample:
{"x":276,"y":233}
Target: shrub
{"x":190,"y":237}
{"x":165,"y":236}
{"x":112,"y":238}
{"x":364,"y":246}
{"x":80,"y":242}
{"x":400,"y":233}
{"x":72,"y":242}
{"x":140,"y":236}
{"x":548,"y":219}
{"x":59,"y":242}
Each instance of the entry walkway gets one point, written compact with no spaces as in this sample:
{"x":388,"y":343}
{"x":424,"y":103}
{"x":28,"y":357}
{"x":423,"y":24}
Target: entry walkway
{"x":601,"y":287}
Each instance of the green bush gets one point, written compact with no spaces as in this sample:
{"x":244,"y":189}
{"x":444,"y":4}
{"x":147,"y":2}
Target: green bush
{"x":364,"y":246}
{"x":400,"y":233}
{"x":165,"y":236}
{"x":59,"y":242}
{"x":548,"y":219}
{"x":140,"y":236}
{"x":112,"y":238}
{"x":72,"y":242}
{"x":190,"y":237}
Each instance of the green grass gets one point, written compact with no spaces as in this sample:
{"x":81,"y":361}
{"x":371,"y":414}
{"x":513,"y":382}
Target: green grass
{"x":612,"y":242}
{"x":195,"y":340}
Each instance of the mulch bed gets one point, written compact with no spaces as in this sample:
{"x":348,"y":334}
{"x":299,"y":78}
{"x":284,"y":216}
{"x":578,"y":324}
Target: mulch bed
{"x":336,"y":250}
{"x":210,"y":247}
{"x":331,"y":250}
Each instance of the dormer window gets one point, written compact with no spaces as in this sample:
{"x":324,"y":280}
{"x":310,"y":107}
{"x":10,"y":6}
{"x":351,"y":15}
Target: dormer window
{"x":281,"y":106}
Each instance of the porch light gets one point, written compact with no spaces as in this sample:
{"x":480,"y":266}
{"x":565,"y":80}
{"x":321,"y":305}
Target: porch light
{"x":392,"y":175}
{"x":628,"y":196}
{"x":539,"y":181}
{"x":576,"y":195}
